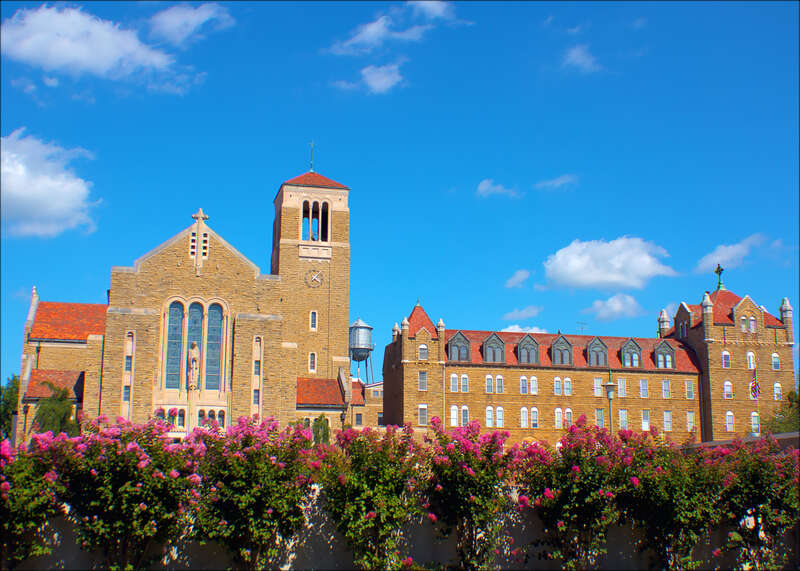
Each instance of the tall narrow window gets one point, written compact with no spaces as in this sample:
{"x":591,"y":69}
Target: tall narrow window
{"x":128,"y":363}
{"x":315,"y":222}
{"x":776,"y":391}
{"x":523,"y":417}
{"x":454,"y":415}
{"x":754,"y":424}
{"x":534,"y":384}
{"x":256,"y":396}
{"x":464,"y":384}
{"x":689,"y":390}
{"x":181,"y":418}
{"x":567,"y":386}
{"x":667,"y":421}
{"x":645,"y":419}
{"x":726,"y":360}
{"x":559,"y":418}
{"x":534,"y":417}
{"x":660,"y":361}
{"x":489,"y":417}
{"x":312,"y":362}
{"x":623,"y":419}
{"x":214,"y":347}
{"x":744,"y":323}
{"x":306,"y":229}
{"x":195,"y":335}
{"x":453,"y":383}
{"x":598,"y":417}
{"x":568,"y":416}
{"x":174,"y":337}
{"x":501,"y":421}
{"x":201,"y":417}
{"x":464,"y":416}
{"x":212,"y":416}
{"x":727,"y":390}
{"x":422,"y":380}
{"x":126,"y":393}
{"x":557,"y":386}
{"x":523,"y":385}
{"x":312,"y":320}
{"x":598,"y":387}
{"x":776,"y":362}
{"x":221,"y":419}
{"x":423,"y":352}
{"x":499,"y":383}
{"x":128,"y":354}
{"x":325,"y":222}
{"x":643,"y":389}
{"x":622,"y":388}
{"x":752,"y":325}
{"x":666,"y":390}
{"x":689,"y":421}
{"x":729,"y":421}
{"x":422,"y":414}
{"x":751,"y":360}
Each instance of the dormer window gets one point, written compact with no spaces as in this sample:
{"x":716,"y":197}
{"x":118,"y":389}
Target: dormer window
{"x":494,"y":350}
{"x":528,"y":351}
{"x":561,"y":351}
{"x":631,"y":354}
{"x":458,"y":348}
{"x":597,"y":353}
{"x":665,"y":356}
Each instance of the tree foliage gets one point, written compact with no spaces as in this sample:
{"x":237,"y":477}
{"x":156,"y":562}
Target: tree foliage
{"x":787,"y":417}
{"x":9,"y":393}
{"x":55,"y":414}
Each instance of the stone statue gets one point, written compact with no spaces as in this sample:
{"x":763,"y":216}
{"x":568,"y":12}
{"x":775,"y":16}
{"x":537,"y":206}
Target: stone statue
{"x":194,"y":366}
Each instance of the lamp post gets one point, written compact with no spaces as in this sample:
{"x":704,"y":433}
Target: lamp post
{"x":609,"y":387}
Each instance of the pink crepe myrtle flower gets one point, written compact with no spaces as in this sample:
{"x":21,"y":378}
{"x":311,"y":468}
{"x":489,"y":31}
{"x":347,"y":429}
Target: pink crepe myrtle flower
{"x":93,"y":472}
{"x":635,"y":481}
{"x":173,"y":473}
{"x":438,"y":488}
{"x":576,"y":469}
{"x":717,"y":552}
{"x":407,"y":562}
{"x":194,"y":479}
{"x":524,"y":501}
{"x":370,"y":515}
{"x":432,"y":517}
{"x":548,"y":493}
{"x":342,"y":479}
{"x":51,"y":476}
{"x":4,"y":487}
{"x":560,"y":524}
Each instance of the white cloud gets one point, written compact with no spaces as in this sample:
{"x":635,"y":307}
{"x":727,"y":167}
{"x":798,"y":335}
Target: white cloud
{"x":728,"y":255}
{"x":627,"y":262}
{"x":433,"y":9}
{"x":580,"y":58}
{"x":24,"y":84}
{"x":639,"y":23}
{"x":181,"y":22}
{"x":50,"y":81}
{"x":616,"y":307}
{"x":381,"y":79}
{"x":487,"y":187}
{"x":515,"y":328}
{"x":524,"y":313}
{"x":558,"y":182}
{"x":41,"y":195}
{"x":74,"y":41}
{"x":518,"y":278}
{"x":372,"y":35}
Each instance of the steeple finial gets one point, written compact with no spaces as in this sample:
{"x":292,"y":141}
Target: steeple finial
{"x":311,"y":169}
{"x":719,"y":271}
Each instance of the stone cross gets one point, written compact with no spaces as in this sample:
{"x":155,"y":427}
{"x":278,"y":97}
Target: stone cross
{"x":719,"y":271}
{"x":199,"y":221}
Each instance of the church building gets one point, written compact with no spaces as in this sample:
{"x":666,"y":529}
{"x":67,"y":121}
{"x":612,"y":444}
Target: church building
{"x":195,"y":329}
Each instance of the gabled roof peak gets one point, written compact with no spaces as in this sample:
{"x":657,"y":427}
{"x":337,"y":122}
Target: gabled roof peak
{"x":315,"y":179}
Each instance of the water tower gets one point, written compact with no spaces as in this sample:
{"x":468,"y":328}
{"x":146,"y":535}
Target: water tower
{"x":361,"y":346}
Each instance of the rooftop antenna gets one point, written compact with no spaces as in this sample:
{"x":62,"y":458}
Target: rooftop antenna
{"x":581,"y":325}
{"x":312,"y":157}
{"x":719,"y":271}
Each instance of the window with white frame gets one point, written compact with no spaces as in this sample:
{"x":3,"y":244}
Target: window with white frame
{"x":689,"y":421}
{"x":726,"y":360}
{"x":523,"y":385}
{"x":422,"y":380}
{"x":454,"y":415}
{"x":559,"y":416}
{"x":557,"y":386}
{"x":500,"y":417}
{"x":645,"y":419}
{"x":499,"y":383}
{"x":453,"y":383}
{"x":523,"y":417}
{"x":422,"y":415}
{"x":598,"y":387}
{"x":744,"y":323}
{"x":464,"y":384}
{"x":464,"y":416}
{"x":598,"y":417}
{"x":666,"y":390}
{"x":667,"y":421}
{"x":312,"y":362}
{"x":689,"y":390}
{"x":534,"y":385}
{"x":622,"y":388}
{"x":312,"y":320}
{"x":754,"y":424}
{"x":489,"y":417}
{"x":776,"y":362}
{"x":489,"y":384}
{"x":423,"y":352}
{"x":727,"y":390}
{"x":623,"y":419}
{"x":567,"y":386}
{"x":534,"y":417}
{"x":776,"y":391}
{"x":752,"y":325}
{"x":729,"y":421}
{"x":568,"y":416}
{"x":643,"y":389}
{"x":751,"y":360}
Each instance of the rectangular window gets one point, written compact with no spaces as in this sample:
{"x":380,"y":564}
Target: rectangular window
{"x":257,"y":368}
{"x":422,"y":380}
{"x":499,"y":384}
{"x":598,"y":387}
{"x":523,"y":386}
{"x":643,"y":391}
{"x":689,"y":421}
{"x":622,"y":388}
{"x":464,"y":416}
{"x":666,"y":391}
{"x":623,"y":419}
{"x":422,"y":414}
{"x":312,"y":320}
{"x":464,"y":384}
{"x":557,"y":386}
{"x":645,"y":419}
{"x":489,"y":384}
{"x":598,"y":417}
{"x":534,"y":385}
{"x":358,"y":419}
{"x":667,"y":421}
{"x":380,"y":419}
{"x":128,"y":363}
{"x":256,"y":396}
{"x":568,"y":387}
{"x":689,"y":390}
{"x":126,"y":393}
{"x":312,"y":362}
{"x":453,"y":383}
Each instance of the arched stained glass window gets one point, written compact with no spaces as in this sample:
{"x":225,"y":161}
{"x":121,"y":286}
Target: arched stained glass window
{"x":174,"y":335}
{"x":214,"y":347}
{"x":195,"y":330}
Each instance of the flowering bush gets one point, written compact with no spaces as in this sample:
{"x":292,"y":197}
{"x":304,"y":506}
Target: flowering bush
{"x":26,"y":502}
{"x":372,"y":488}
{"x":759,"y":500}
{"x":125,"y":487}
{"x":469,"y":489}
{"x":573,"y":492}
{"x":669,"y":495}
{"x":254,"y":482}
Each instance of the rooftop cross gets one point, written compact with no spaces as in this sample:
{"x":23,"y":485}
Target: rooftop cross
{"x":199,"y":215}
{"x":719,"y":271}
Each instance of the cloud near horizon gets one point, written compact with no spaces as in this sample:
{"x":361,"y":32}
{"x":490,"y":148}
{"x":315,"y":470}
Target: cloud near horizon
{"x":518,"y":278}
{"x":729,"y":255}
{"x":515,"y":328}
{"x":616,"y":307}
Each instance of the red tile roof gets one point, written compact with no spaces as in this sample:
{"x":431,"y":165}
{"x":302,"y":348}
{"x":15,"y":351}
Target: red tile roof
{"x":419,"y":319}
{"x":724,"y":301}
{"x":326,"y":392}
{"x":315,"y":179}
{"x":684,"y":357}
{"x":68,"y":321}
{"x":70,"y":380}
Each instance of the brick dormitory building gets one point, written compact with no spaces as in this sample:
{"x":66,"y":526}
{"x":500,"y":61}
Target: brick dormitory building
{"x":195,"y":326}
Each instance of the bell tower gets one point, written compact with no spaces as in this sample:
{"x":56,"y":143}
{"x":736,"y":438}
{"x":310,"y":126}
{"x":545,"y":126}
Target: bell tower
{"x":311,"y":254}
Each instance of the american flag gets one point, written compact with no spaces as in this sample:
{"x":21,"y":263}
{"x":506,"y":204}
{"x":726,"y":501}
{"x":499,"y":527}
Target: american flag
{"x":755,"y":389}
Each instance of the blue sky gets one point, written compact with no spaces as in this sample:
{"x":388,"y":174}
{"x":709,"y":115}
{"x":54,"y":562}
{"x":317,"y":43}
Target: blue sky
{"x":543,"y":166}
